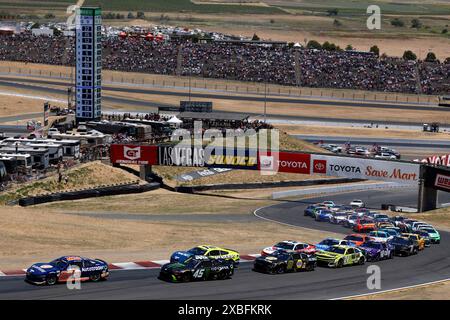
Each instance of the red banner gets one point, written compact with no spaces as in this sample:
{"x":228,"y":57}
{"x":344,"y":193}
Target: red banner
{"x":134,"y":154}
{"x":443,"y":160}
{"x":285,"y":162}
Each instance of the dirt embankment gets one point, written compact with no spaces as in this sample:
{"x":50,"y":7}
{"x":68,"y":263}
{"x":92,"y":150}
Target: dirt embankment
{"x":83,"y":176}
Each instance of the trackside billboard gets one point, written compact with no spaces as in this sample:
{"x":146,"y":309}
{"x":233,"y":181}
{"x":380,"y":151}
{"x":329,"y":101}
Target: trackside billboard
{"x":134,"y":154}
{"x":362,"y":168}
{"x":292,"y":162}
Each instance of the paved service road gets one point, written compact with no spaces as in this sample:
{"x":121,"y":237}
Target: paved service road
{"x":430,"y":265}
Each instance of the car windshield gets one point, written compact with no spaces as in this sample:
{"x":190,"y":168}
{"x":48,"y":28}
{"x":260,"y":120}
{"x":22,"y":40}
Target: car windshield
{"x":353,"y":238}
{"x":337,"y":250}
{"x":197,"y":251}
{"x":284,"y":245}
{"x":372,"y":244}
{"x":430,"y":230}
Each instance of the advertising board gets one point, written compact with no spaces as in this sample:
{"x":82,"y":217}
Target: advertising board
{"x":362,"y":168}
{"x":134,"y":154}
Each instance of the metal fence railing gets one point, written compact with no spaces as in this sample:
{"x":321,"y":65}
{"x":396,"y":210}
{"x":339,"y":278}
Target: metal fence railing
{"x":228,"y":86}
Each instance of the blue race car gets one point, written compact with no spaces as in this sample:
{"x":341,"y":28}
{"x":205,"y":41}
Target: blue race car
{"x":327,"y":243}
{"x":67,"y":268}
{"x":323,"y":215}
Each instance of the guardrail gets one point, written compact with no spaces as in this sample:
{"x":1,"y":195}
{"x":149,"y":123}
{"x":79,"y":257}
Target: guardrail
{"x":262,"y":185}
{"x":112,"y":190}
{"x":335,"y":189}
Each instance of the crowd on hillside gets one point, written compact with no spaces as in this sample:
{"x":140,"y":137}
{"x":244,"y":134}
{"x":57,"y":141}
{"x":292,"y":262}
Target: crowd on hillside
{"x":246,"y":62}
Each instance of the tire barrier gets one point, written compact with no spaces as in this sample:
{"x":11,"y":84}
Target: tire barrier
{"x":230,"y":186}
{"x":89,"y":193}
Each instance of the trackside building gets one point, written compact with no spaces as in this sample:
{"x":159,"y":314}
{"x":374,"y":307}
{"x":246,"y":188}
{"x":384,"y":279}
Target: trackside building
{"x":88,"y":64}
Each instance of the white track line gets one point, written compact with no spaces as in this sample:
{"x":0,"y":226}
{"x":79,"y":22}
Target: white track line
{"x":392,"y":290}
{"x":18,"y":95}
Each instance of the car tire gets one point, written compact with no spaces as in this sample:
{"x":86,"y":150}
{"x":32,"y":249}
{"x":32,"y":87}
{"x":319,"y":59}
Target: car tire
{"x":361,"y":261}
{"x":391,"y":255}
{"x":340,"y":263}
{"x":95,"y":277}
{"x":51,"y":280}
{"x":186,"y":277}
{"x":280,"y":269}
{"x":415,"y":251}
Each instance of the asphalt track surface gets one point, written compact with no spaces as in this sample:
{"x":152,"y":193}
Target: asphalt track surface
{"x":416,"y":143}
{"x":33,"y":84}
{"x":429,"y":265}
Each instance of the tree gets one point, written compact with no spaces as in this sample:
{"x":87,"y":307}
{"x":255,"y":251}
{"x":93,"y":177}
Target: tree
{"x":130,"y":15}
{"x":431,"y":57}
{"x":329,"y":46}
{"x":415,"y":23}
{"x":332,"y":12}
{"x":349,"y":47}
{"x":140,"y":15}
{"x":447,"y":60}
{"x":313,"y":44}
{"x":444,"y":31}
{"x":374,"y":49}
{"x":409,"y":55}
{"x":255,"y":37}
{"x":49,"y":16}
{"x":397,"y":22}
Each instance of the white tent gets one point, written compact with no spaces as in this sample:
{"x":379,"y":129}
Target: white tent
{"x":175,"y":121}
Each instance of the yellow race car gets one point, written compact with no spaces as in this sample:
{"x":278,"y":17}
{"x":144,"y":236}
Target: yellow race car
{"x":209,"y":251}
{"x":419,"y":242}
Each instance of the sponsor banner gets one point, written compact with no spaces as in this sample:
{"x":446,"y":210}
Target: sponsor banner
{"x":194,"y":175}
{"x":285,"y":162}
{"x":189,"y":156}
{"x":134,"y":154}
{"x":361,"y":168}
{"x":443,"y":160}
{"x":442,"y":182}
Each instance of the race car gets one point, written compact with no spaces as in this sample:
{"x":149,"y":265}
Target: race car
{"x":357,"y":239}
{"x":351,"y":221}
{"x":327,"y":243}
{"x":281,"y":261}
{"x":328,"y":203}
{"x":312,"y":209}
{"x":339,"y":256}
{"x":434,"y":235}
{"x":323,"y":215}
{"x":357,"y":203}
{"x":197,"y":268}
{"x":425,"y":236}
{"x":380,"y":236}
{"x":391,"y":231}
{"x":67,"y":268}
{"x":290,"y":245}
{"x":375,"y":250}
{"x":338,"y":217}
{"x":209,"y":251}
{"x":419,"y":242}
{"x":403,"y":246}
{"x":364,"y":225}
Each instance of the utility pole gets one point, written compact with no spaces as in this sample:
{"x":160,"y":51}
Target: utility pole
{"x":265,"y":99}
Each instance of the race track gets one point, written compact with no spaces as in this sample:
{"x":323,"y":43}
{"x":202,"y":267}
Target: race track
{"x":323,"y":283}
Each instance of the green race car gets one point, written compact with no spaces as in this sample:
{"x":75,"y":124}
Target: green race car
{"x":338,"y":256}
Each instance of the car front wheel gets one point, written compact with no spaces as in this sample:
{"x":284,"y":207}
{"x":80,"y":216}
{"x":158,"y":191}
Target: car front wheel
{"x":51,"y":280}
{"x":95,"y":277}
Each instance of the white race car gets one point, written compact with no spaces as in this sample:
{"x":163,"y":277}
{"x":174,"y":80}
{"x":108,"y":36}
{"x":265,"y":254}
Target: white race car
{"x":358,"y":203}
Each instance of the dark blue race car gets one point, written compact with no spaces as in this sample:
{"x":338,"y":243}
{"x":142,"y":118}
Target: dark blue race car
{"x":67,"y":268}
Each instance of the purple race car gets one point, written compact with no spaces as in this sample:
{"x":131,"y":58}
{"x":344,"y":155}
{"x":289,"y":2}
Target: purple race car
{"x":375,"y":250}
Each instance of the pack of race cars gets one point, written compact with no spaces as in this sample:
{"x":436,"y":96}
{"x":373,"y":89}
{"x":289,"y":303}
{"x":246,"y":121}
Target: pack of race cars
{"x":376,"y":236}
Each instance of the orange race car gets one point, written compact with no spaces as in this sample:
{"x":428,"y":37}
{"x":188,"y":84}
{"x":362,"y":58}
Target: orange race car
{"x":357,"y":239}
{"x":364,"y":225}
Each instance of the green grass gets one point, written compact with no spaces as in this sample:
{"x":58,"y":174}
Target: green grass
{"x":359,"y":7}
{"x":178,"y":6}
